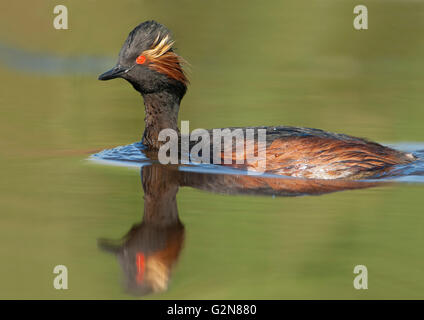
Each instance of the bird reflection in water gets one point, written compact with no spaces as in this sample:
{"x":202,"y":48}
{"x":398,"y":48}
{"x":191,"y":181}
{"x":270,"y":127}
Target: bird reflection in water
{"x":150,"y":249}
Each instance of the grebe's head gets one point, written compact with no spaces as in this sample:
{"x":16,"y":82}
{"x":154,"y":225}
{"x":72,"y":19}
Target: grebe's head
{"x":148,"y":62}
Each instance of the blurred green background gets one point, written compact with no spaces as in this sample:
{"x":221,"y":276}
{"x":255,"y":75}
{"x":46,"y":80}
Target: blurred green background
{"x":296,"y":62}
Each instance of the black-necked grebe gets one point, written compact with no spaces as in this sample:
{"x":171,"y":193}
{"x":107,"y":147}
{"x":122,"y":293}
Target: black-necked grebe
{"x":148,"y":61}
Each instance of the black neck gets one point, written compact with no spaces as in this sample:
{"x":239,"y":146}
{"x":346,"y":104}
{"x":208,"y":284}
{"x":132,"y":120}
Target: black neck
{"x":161,"y":113}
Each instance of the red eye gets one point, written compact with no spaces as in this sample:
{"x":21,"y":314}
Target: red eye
{"x":140,"y":59}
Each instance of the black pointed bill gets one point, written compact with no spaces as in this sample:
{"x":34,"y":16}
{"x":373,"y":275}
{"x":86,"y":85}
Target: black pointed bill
{"x":113,"y":73}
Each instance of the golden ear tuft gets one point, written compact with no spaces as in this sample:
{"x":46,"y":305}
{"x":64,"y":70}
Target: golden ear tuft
{"x":162,"y":59}
{"x":159,"y":48}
